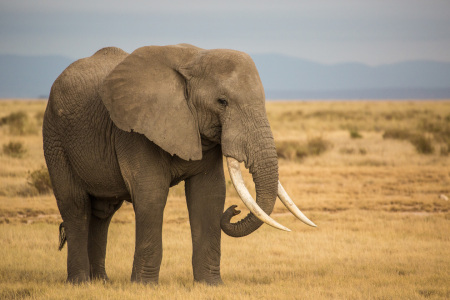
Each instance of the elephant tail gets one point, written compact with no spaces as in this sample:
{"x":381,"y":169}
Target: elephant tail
{"x":62,"y":236}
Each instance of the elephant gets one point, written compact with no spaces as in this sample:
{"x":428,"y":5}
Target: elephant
{"x":126,"y":127}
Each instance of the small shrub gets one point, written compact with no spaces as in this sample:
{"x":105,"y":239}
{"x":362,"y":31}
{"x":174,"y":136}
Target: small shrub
{"x":40,"y":180}
{"x":346,"y":150}
{"x":398,"y":134}
{"x":430,"y":125}
{"x":317,"y":145}
{"x":362,"y":151}
{"x":423,"y":144}
{"x":350,"y":150}
{"x":14,"y":149}
{"x":291,"y":150}
{"x":19,"y":123}
{"x":354,"y":134}
{"x":16,"y":122}
{"x":440,"y":129}
{"x":294,"y":150}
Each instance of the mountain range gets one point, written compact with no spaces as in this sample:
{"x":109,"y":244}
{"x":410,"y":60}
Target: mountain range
{"x":283,"y":77}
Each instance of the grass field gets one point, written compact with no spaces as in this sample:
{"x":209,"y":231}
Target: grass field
{"x":373,"y":175}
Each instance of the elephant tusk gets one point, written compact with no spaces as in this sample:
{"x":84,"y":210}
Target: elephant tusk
{"x":244,"y":194}
{"x":287,"y":201}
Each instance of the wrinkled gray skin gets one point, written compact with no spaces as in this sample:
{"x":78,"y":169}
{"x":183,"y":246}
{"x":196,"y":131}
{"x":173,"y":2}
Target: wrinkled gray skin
{"x":122,"y":126}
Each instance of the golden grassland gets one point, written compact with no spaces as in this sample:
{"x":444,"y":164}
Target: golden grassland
{"x":380,"y":206}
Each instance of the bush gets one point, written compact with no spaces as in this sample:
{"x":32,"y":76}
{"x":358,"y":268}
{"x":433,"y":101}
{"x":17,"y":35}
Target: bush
{"x":439,"y":129}
{"x":19,"y":123}
{"x":350,"y":150}
{"x":40,"y":180}
{"x":294,"y":150}
{"x":354,"y":134}
{"x":317,"y":146}
{"x":291,"y":150}
{"x":14,"y":149}
{"x":398,"y":134}
{"x":423,"y":144}
{"x":346,"y":150}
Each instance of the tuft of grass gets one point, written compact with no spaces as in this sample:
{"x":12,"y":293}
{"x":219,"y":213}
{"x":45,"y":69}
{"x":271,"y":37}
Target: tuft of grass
{"x":14,"y":149}
{"x":347,"y":150}
{"x":398,"y":134}
{"x":19,"y":293}
{"x":350,"y":150}
{"x":317,"y":145}
{"x":19,"y":123}
{"x":295,"y":150}
{"x":40,"y":180}
{"x":354,"y":134}
{"x":423,"y":144}
{"x":291,"y":150}
{"x":439,"y":128}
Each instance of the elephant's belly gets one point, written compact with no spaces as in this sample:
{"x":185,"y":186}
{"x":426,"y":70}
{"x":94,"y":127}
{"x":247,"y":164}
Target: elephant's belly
{"x":100,"y":182}
{"x":99,"y":173}
{"x":103,"y":207}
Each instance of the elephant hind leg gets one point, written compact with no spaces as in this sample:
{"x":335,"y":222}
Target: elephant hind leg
{"x":98,"y":235}
{"x":74,"y":206}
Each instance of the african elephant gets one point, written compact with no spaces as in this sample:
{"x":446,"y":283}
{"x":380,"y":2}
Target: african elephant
{"x":122,"y":126}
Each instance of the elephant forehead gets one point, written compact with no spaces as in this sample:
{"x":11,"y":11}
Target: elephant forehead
{"x":241,"y":78}
{"x":223,"y":66}
{"x":226,"y":62}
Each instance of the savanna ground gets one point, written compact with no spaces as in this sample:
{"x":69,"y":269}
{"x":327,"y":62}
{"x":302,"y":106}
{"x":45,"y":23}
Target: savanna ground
{"x":374,"y":177}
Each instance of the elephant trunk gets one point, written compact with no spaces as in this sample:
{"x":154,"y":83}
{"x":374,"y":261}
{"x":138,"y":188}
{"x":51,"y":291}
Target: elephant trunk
{"x":263,"y":165}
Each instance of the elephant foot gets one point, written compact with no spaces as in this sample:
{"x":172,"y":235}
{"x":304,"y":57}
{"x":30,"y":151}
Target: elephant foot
{"x":78,"y":278}
{"x":100,"y":277}
{"x":98,"y":273}
{"x":210,"y":281}
{"x":145,"y":281}
{"x":209,"y":275}
{"x":150,"y":278}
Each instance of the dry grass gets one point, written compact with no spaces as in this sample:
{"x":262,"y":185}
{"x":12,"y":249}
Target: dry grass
{"x":383,"y":230}
{"x":14,"y":149}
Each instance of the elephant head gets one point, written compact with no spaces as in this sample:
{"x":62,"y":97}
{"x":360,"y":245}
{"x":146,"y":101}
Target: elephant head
{"x":186,"y":99}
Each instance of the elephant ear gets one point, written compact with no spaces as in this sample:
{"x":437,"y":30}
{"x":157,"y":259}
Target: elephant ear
{"x":145,"y":93}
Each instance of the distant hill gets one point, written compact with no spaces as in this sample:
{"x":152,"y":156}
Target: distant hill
{"x":286,"y":77}
{"x":283,"y":77}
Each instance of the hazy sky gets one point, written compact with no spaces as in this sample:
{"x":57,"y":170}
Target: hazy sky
{"x":328,"y":31}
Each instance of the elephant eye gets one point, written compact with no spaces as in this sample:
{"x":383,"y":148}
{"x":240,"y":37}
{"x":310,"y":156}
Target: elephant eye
{"x":223,"y":102}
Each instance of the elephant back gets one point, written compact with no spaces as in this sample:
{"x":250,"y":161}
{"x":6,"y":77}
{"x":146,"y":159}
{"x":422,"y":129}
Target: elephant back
{"x":78,"y":84}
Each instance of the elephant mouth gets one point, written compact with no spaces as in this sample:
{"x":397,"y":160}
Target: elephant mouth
{"x":212,"y":134}
{"x":247,"y":199}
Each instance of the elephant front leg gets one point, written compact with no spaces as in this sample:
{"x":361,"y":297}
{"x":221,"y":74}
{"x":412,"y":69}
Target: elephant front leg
{"x":148,"y":251}
{"x":205,"y":194}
